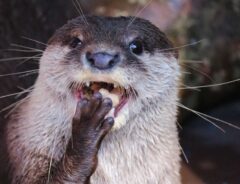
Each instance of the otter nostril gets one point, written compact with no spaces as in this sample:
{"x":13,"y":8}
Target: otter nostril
{"x":88,"y":54}
{"x":116,"y":56}
{"x":111,"y":63}
{"x":90,"y":58}
{"x":115,"y":60}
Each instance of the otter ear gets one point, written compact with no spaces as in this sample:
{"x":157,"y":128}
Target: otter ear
{"x":60,"y":37}
{"x":52,"y":40}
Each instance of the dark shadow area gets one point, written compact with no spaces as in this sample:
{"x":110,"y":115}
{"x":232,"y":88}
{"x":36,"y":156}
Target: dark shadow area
{"x":214,"y":155}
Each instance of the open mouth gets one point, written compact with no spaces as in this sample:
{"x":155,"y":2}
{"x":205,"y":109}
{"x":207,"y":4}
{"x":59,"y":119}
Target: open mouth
{"x":119,"y":95}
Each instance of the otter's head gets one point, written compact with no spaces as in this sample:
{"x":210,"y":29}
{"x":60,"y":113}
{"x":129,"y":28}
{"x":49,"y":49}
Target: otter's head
{"x":125,"y":57}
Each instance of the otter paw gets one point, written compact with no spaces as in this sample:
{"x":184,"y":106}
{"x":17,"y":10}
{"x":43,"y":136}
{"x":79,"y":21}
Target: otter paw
{"x":89,"y":122}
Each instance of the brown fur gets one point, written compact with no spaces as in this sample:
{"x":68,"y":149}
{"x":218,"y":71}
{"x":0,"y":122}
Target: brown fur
{"x":141,"y":149}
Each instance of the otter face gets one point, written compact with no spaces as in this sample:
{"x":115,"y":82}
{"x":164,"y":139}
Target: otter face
{"x":128,"y":59}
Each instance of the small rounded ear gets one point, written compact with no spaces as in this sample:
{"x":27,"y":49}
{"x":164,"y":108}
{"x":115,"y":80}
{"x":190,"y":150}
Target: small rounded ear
{"x":52,"y":40}
{"x":64,"y":35}
{"x":60,"y":37}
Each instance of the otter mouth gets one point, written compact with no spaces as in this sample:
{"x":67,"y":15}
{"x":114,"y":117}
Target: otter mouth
{"x":119,"y":95}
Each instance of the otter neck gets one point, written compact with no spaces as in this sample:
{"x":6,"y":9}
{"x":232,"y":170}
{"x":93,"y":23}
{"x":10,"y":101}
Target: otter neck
{"x":144,"y":149}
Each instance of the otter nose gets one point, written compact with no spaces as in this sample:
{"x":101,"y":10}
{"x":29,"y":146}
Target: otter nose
{"x":102,"y":60}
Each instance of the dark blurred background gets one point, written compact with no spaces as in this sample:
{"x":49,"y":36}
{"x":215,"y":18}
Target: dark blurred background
{"x":207,"y":33}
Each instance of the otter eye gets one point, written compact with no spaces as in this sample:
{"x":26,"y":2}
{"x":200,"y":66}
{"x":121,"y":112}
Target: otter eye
{"x":75,"y":42}
{"x":136,"y":47}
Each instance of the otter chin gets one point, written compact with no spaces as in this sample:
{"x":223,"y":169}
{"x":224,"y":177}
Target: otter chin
{"x":121,"y":69}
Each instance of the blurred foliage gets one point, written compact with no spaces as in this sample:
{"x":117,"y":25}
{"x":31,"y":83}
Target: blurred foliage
{"x":216,"y":24}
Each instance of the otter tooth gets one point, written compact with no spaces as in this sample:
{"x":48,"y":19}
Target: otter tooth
{"x":115,"y":85}
{"x":87,"y":83}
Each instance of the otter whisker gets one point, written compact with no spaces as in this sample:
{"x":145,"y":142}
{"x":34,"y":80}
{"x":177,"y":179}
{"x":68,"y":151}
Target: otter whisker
{"x":25,"y":90}
{"x":201,"y":116}
{"x":19,"y":73}
{"x":9,"y":95}
{"x":18,"y":103}
{"x":25,"y":47}
{"x":179,"y":125}
{"x":30,"y":59}
{"x":212,"y":85}
{"x":138,"y":13}
{"x":27,"y":74}
{"x":14,"y":106}
{"x":11,"y":106}
{"x":201,"y":72}
{"x":208,"y":117}
{"x":183,"y":46}
{"x":14,"y":94}
{"x":186,"y":87}
{"x":79,"y":12}
{"x":36,"y":41}
{"x":18,"y":58}
{"x":184,"y":154}
{"x":21,"y":50}
{"x":51,"y":159}
{"x":186,"y":72}
{"x":79,"y":9}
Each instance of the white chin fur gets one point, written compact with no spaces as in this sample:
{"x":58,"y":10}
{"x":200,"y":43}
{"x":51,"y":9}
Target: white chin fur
{"x":121,"y":118}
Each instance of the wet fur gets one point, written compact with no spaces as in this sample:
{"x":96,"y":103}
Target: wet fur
{"x":144,"y":150}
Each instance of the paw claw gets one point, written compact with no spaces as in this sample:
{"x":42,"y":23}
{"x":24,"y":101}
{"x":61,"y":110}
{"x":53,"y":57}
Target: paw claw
{"x":110,"y":120}
{"x":108,"y":102}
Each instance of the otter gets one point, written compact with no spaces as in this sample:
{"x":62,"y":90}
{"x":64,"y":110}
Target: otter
{"x":103,"y":108}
